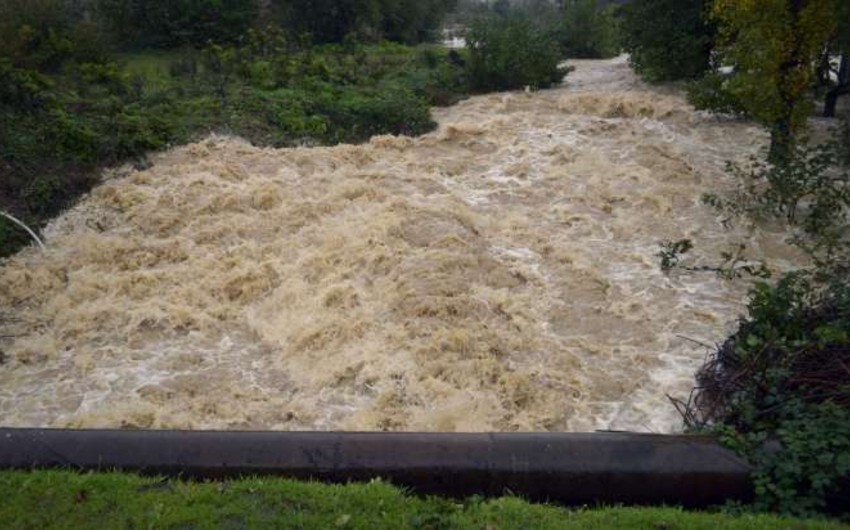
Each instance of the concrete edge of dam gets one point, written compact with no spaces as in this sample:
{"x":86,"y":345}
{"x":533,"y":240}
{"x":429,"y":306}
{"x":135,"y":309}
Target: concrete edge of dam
{"x":566,"y":468}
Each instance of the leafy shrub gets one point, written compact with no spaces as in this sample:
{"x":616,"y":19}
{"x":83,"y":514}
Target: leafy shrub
{"x":667,"y":39}
{"x":809,"y":189}
{"x":357,"y":115}
{"x":510,"y":52}
{"x":587,"y":32}
{"x":333,"y":21}
{"x":24,"y":90}
{"x":174,"y":23}
{"x":777,"y":390}
{"x":712,"y":93}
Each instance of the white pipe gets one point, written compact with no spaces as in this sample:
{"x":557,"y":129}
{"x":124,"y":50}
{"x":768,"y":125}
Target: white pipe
{"x":25,"y":227}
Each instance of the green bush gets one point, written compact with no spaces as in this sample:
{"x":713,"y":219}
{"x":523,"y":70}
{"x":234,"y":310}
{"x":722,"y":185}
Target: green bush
{"x":667,"y":39}
{"x":334,"y":21}
{"x":809,"y":190}
{"x":588,"y":32}
{"x":357,"y":115}
{"x":23,"y":90}
{"x":174,"y":23}
{"x":712,"y":93}
{"x":510,"y":52}
{"x":778,"y":392}
{"x":43,"y":35}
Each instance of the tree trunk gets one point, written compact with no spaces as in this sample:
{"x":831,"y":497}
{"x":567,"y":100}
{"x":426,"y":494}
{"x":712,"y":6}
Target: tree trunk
{"x":781,"y":142}
{"x":843,"y":87}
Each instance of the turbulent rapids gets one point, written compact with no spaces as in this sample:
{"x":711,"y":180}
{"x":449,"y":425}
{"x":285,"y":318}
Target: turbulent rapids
{"x":497,"y":274}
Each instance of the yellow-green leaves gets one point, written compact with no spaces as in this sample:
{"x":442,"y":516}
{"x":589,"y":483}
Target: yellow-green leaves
{"x":774,"y":46}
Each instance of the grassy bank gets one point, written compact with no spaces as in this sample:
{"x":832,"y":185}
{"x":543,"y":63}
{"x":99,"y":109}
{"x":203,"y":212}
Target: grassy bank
{"x":71,"y":500}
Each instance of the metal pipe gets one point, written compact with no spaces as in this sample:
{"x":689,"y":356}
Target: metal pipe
{"x":575,"y":469}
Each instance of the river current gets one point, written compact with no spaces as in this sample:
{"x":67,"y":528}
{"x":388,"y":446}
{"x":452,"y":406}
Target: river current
{"x":497,"y":274}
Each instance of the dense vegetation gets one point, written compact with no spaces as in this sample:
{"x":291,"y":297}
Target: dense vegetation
{"x":667,"y":39}
{"x":47,"y":499}
{"x":588,"y":32}
{"x":778,"y":388}
{"x":579,"y":29}
{"x":511,"y":52}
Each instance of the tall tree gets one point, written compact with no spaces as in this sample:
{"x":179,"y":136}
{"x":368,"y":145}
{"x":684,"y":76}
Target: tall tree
{"x":774,"y":46}
{"x":667,"y":39}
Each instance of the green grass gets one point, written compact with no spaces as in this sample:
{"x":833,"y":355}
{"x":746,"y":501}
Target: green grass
{"x":58,"y":499}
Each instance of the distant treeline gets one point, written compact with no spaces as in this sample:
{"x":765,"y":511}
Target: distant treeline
{"x":140,"y":24}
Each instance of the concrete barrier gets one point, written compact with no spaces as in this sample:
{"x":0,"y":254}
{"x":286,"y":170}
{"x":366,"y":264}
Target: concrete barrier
{"x":575,"y":469}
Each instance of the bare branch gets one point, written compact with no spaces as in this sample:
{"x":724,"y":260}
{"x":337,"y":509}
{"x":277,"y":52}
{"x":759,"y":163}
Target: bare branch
{"x":25,"y":227}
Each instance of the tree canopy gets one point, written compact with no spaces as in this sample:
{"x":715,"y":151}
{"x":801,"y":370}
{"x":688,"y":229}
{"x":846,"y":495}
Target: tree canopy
{"x":774,"y":46}
{"x":667,"y":39}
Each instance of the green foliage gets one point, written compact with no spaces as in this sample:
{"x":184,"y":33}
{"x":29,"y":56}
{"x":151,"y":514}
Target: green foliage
{"x":413,"y":21}
{"x":366,"y":114}
{"x":803,"y":477}
{"x":510,"y":52}
{"x":65,"y":499}
{"x":334,"y":21}
{"x":809,"y":190}
{"x":24,"y":90}
{"x":777,"y":390}
{"x":671,"y":253}
{"x":174,"y":23}
{"x":712,"y":93}
{"x":587,"y":32}
{"x":667,"y":39}
{"x":45,"y":34}
{"x":774,"y":47}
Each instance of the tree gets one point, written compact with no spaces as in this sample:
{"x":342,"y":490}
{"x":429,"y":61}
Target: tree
{"x":841,"y":45}
{"x":587,"y":31}
{"x":774,"y":47}
{"x":510,"y":52}
{"x":667,"y":39}
{"x":172,"y":23}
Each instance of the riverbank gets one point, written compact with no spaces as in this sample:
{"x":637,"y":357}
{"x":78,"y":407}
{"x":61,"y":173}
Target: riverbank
{"x":53,"y":499}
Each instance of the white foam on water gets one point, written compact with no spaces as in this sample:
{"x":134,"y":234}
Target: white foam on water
{"x":497,"y":274}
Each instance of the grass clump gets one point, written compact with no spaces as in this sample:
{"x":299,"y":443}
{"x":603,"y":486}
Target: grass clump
{"x":53,"y":499}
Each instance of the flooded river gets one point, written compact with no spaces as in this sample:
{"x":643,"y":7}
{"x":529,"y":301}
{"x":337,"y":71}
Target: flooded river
{"x":497,"y":274}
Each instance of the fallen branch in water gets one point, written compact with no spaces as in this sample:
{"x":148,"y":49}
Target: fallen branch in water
{"x":25,"y":227}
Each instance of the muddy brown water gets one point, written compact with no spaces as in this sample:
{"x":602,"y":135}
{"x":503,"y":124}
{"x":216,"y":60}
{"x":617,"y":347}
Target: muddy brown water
{"x":497,"y":274}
